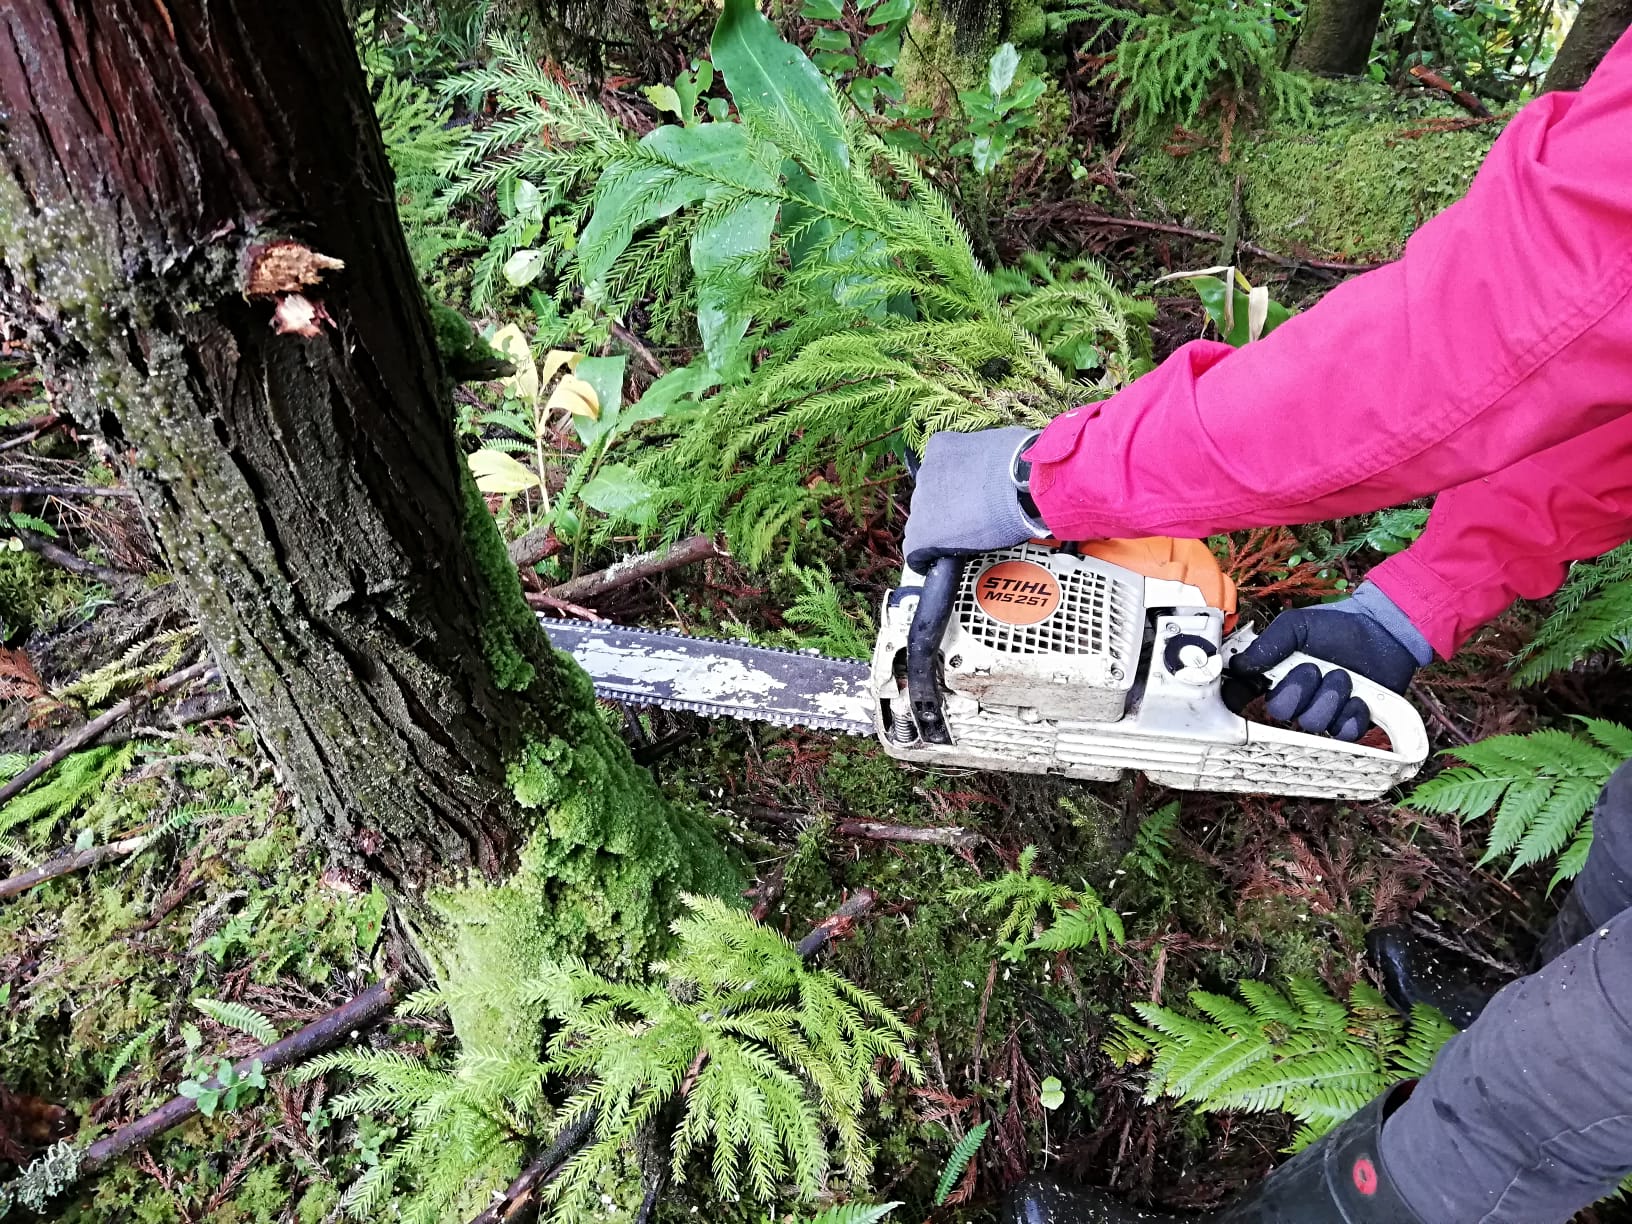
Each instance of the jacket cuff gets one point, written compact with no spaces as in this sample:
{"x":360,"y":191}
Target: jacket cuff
{"x":1423,"y":598}
{"x":1375,"y":603}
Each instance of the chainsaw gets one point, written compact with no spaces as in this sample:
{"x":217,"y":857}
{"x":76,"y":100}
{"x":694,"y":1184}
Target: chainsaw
{"x":1084,"y":660}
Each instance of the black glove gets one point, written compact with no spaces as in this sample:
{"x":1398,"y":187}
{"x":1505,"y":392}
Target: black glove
{"x":1366,"y":633}
{"x":967,"y":498}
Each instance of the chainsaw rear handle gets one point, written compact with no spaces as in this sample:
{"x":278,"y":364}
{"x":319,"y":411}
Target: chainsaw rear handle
{"x":1398,"y":718}
{"x":929,"y":621}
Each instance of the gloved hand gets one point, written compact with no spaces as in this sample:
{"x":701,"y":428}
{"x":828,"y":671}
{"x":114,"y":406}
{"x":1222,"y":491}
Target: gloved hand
{"x":1366,"y":633}
{"x":967,"y":497}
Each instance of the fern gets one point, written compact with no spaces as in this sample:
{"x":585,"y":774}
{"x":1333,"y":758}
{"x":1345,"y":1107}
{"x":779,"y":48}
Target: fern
{"x":767,"y":1062}
{"x":1148,"y":854}
{"x":1539,"y":790}
{"x":128,"y":1051}
{"x":959,"y":1160}
{"x":162,"y":654}
{"x":1299,"y":1052}
{"x":838,"y":631}
{"x":1079,"y":917}
{"x":239,"y":1017}
{"x":1591,"y":612}
{"x":855,"y":1213}
{"x":77,"y":780}
{"x":1171,"y":62}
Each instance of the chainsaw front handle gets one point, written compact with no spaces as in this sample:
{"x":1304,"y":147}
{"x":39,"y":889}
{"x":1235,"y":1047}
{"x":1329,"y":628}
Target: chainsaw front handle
{"x":929,"y":621}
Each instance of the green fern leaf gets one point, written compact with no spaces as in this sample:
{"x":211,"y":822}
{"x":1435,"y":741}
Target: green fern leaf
{"x":959,"y":1160}
{"x":239,"y":1017}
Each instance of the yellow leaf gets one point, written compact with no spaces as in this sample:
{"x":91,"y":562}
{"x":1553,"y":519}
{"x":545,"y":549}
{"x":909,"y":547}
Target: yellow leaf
{"x":497,"y":472}
{"x":554,"y":360}
{"x":524,"y":383}
{"x":577,"y":397}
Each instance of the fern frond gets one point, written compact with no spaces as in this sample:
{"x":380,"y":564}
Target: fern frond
{"x":239,"y":1017}
{"x":959,"y":1160}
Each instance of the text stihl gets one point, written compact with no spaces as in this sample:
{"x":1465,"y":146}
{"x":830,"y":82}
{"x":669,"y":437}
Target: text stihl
{"x":1013,"y":590}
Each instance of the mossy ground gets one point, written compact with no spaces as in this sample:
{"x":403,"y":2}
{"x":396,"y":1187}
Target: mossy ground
{"x":1377,"y":182}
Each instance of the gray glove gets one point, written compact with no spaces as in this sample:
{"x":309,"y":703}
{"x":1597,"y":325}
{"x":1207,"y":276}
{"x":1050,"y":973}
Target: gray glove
{"x":968,"y":496}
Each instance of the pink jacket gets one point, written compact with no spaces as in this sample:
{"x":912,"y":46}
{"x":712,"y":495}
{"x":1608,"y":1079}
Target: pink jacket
{"x":1491,"y":364}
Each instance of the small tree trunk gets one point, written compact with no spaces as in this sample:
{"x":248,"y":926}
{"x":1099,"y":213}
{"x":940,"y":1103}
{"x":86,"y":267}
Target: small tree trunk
{"x":1336,"y":36}
{"x":1598,"y":24}
{"x":197,"y":230}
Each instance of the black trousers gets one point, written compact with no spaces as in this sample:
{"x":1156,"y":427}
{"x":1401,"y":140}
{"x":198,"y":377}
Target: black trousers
{"x":1526,"y":1117}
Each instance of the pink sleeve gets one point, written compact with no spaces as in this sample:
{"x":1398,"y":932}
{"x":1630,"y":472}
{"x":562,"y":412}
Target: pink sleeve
{"x":1505,"y":329}
{"x":1512,"y":535}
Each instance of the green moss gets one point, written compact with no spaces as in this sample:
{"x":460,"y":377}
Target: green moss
{"x":35,"y":595}
{"x":510,"y":622}
{"x":1376,"y":186}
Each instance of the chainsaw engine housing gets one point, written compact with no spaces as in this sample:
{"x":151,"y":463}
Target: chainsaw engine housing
{"x":1054,"y":662}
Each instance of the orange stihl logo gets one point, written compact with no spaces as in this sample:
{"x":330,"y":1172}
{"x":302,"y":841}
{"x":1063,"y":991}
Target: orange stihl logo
{"x":1017,"y":592}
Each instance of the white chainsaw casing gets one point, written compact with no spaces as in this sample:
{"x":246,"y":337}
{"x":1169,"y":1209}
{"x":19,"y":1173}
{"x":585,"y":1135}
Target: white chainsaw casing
{"x":1122,"y":672}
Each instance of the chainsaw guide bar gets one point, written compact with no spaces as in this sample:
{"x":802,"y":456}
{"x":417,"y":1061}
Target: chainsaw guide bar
{"x":676,"y":671}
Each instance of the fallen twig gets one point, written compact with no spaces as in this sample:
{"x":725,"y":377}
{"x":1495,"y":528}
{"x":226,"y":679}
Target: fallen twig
{"x":1461,"y":97}
{"x":838,"y":923}
{"x":72,"y":861}
{"x":535,"y":546}
{"x":64,"y":491}
{"x":632,"y":569}
{"x":92,"y":730}
{"x":13,"y":443}
{"x":544,"y":600}
{"x":955,"y":836}
{"x":318,"y":1036}
{"x":638,"y":348}
{"x":74,"y":564}
{"x":1071,"y":213}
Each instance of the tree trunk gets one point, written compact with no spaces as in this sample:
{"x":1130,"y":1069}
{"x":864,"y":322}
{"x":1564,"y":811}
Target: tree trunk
{"x":197,"y":231}
{"x":1597,"y":25}
{"x":1336,"y":36}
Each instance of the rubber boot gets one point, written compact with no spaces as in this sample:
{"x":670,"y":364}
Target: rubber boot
{"x":1414,"y":971}
{"x":1339,"y":1179}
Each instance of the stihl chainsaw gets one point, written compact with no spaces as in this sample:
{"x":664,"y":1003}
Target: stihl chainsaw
{"x":1085,"y":660}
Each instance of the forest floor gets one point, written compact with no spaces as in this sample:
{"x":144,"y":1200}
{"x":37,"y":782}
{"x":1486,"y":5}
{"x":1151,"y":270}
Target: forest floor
{"x":99,"y":970}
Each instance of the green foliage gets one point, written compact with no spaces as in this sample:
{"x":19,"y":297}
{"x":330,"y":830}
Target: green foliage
{"x":959,"y":1160}
{"x":1239,"y":310}
{"x":855,"y":1213}
{"x":1171,"y":62}
{"x":216,"y":1084}
{"x":419,"y":137}
{"x":1591,"y":612}
{"x":837,"y":301}
{"x":1147,"y":856}
{"x":1080,"y":918}
{"x":768,"y":1061}
{"x":161,"y":655}
{"x":1000,"y":110}
{"x":1540,"y":787}
{"x":1300,"y":1052}
{"x":79,"y":780}
{"x":1387,"y":532}
{"x":239,"y":1017}
{"x":831,"y":626}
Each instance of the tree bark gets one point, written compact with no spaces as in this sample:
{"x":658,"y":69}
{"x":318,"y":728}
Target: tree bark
{"x":1336,"y":36}
{"x":1597,"y":25}
{"x":197,"y":230}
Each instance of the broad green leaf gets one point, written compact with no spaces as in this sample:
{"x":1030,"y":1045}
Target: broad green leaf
{"x":605,"y":376}
{"x":986,"y":151}
{"x":666,"y":99}
{"x":617,"y":490}
{"x":883,"y":49}
{"x":527,"y":200}
{"x":523,"y":267}
{"x":1000,"y":72}
{"x":510,"y":343}
{"x":711,"y":157}
{"x":832,"y":61}
{"x":1030,"y":90}
{"x":718,"y":109}
{"x":822,"y":10}
{"x":728,"y":250}
{"x":826,"y":39}
{"x":1052,"y":1095}
{"x":1233,"y":318}
{"x":864,"y":91}
{"x":771,"y":80}
{"x":890,"y":10}
{"x":498,"y":473}
{"x":667,"y":392}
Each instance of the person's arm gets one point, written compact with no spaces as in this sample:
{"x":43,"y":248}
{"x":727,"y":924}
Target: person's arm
{"x":1512,"y":535}
{"x":1505,"y":329}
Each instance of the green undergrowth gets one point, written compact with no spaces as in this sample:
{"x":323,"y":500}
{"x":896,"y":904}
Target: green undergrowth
{"x":101,"y":970}
{"x":1376,"y":185}
{"x":35,"y":595}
